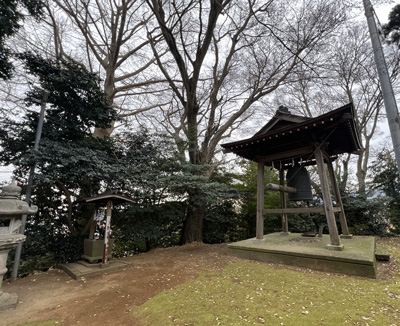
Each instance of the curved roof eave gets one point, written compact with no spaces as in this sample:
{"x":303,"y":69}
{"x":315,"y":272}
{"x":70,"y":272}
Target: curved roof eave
{"x":337,"y":126}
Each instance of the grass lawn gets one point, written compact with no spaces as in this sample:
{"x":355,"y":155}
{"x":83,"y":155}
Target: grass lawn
{"x":249,"y":293}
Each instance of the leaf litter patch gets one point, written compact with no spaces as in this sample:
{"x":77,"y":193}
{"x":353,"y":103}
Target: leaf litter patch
{"x":305,"y":240}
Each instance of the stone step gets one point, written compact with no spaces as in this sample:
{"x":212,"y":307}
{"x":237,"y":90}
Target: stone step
{"x":381,"y":254}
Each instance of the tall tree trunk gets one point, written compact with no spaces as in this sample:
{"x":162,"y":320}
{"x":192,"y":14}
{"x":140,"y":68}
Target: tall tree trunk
{"x":193,"y":225}
{"x":361,"y":175}
{"x":109,"y":85}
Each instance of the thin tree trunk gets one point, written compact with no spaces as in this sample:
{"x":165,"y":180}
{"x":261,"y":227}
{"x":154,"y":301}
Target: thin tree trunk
{"x":344,"y":177}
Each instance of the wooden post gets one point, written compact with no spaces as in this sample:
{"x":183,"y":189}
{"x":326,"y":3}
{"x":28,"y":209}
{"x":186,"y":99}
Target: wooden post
{"x":285,"y":225}
{"x":342,"y":215}
{"x":330,"y":216}
{"x":260,"y":203}
{"x":107,"y":232}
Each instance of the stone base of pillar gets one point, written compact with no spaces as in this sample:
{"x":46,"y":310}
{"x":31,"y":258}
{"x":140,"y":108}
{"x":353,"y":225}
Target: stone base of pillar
{"x":346,"y":236}
{"x":285,"y":233}
{"x":334,"y":247}
{"x":8,"y":300}
{"x":259,"y":241}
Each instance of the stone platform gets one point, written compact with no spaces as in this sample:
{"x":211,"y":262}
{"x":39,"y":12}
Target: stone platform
{"x":84,"y":269}
{"x":357,"y":258}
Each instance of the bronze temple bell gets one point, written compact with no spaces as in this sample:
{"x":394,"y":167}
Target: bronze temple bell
{"x":298,"y":177}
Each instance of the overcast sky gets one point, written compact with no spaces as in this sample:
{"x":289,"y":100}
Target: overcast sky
{"x":383,"y":11}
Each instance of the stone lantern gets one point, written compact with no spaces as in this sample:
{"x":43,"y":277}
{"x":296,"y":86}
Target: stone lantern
{"x":11,"y":211}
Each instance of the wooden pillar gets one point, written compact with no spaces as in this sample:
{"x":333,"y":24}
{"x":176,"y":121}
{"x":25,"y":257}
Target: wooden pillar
{"x":342,"y":215}
{"x":107,"y":232}
{"x":260,"y":202}
{"x":330,"y":216}
{"x":285,"y":225}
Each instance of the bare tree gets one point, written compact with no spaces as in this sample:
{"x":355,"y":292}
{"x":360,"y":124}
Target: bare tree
{"x":107,"y":37}
{"x":354,"y":73}
{"x":112,"y":39}
{"x":224,"y":57}
{"x":347,"y":75}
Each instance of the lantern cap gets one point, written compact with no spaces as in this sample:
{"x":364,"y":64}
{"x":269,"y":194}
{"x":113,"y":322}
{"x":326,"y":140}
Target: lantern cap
{"x":11,"y":205}
{"x":11,"y":191}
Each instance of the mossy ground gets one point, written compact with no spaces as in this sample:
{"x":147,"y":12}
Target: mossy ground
{"x":248,"y":293}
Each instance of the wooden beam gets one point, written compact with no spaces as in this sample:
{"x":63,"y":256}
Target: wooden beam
{"x":285,"y":223}
{"x":282,"y":188}
{"x":283,"y":155}
{"x":299,"y":210}
{"x":336,"y":191}
{"x":329,"y":213}
{"x":260,"y":202}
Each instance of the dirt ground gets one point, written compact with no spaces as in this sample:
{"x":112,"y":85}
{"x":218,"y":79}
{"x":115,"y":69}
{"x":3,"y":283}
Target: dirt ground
{"x":109,"y":299}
